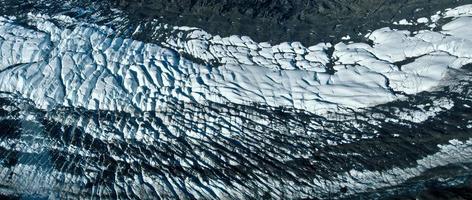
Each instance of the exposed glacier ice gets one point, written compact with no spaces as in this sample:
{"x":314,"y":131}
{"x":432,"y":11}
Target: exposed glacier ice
{"x":454,"y":152}
{"x":424,"y":112}
{"x":189,"y":127}
{"x":88,"y":66}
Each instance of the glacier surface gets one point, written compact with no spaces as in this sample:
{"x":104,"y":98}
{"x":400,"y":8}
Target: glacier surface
{"x":87,"y":66}
{"x":89,"y":113}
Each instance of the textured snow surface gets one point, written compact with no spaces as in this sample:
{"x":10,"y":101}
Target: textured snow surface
{"x":225,"y":151}
{"x":86,"y":66}
{"x":222,"y":151}
{"x":87,"y":114}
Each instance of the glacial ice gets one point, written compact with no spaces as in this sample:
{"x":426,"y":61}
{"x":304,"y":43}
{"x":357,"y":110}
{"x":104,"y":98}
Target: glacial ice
{"x":88,"y":66}
{"x":454,"y":152}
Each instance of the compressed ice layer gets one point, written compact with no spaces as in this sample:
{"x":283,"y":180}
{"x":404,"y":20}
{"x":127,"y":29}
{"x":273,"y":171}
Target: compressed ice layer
{"x":88,"y":67}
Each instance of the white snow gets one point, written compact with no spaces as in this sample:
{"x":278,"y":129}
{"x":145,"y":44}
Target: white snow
{"x":422,"y":20}
{"x":460,"y":11}
{"x":88,"y":66}
{"x":423,"y":112}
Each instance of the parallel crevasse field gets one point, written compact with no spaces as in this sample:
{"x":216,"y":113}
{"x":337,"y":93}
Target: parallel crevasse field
{"x":90,"y":111}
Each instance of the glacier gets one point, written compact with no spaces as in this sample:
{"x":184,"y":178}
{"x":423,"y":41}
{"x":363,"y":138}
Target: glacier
{"x":87,"y":112}
{"x":88,"y":67}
